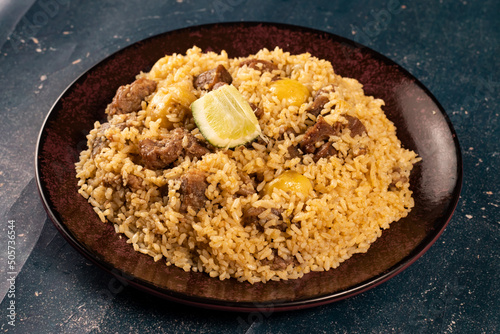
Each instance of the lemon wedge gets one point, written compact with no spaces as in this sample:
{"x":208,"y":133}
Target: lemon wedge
{"x":225,"y":118}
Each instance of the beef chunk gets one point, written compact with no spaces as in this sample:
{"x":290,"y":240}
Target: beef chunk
{"x":134,"y":182}
{"x":355,"y":125}
{"x":101,"y":140}
{"x":248,"y":187}
{"x":246,"y":190}
{"x":397,"y":176}
{"x":325,"y":151}
{"x":318,"y":105}
{"x":159,"y":154}
{"x":251,"y":218}
{"x":194,"y":148}
{"x":294,"y":152}
{"x":104,"y":127}
{"x":321,"y":131}
{"x":163,"y":190}
{"x":259,"y":140}
{"x":192,"y":190}
{"x":318,"y":132}
{"x":397,"y":179}
{"x":279,"y":263}
{"x":359,"y":151}
{"x":290,"y":132}
{"x":257,"y":111}
{"x":325,"y":90}
{"x":320,"y":99}
{"x":207,"y":80}
{"x":112,"y":181}
{"x":261,"y":65}
{"x":219,"y":85}
{"x":128,"y":98}
{"x":258,"y":177}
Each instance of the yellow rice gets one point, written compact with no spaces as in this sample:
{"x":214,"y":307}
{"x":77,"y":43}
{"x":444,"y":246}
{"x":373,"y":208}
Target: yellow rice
{"x":352,"y":201}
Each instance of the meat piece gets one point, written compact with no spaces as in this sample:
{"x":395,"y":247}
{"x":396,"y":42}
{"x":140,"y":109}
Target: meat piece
{"x":400,"y":178}
{"x":355,"y":125}
{"x":192,"y":190}
{"x":178,"y":142}
{"x":219,"y":85}
{"x":359,"y":151}
{"x":320,"y":99}
{"x":294,"y":152}
{"x":163,"y":190}
{"x":134,"y":182}
{"x":318,"y":105}
{"x":248,"y":187}
{"x":104,"y":127}
{"x":159,"y":154}
{"x":193,"y":148}
{"x":101,"y":140}
{"x":290,"y":132}
{"x":128,"y":98}
{"x":208,"y":79}
{"x":246,"y":190}
{"x":318,"y":132}
{"x":257,"y":177}
{"x":325,"y":90}
{"x":112,"y":181}
{"x":325,"y":151}
{"x":397,"y":177}
{"x":251,"y":218}
{"x":258,"y":64}
{"x":257,"y":111}
{"x":321,"y":131}
{"x":259,"y":140}
{"x":279,"y":263}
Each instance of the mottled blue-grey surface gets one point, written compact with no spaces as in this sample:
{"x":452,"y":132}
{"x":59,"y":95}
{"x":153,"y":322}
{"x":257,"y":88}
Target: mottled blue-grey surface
{"x":451,"y":46}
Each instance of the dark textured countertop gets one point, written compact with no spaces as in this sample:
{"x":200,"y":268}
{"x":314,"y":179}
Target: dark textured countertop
{"x":452,"y":47}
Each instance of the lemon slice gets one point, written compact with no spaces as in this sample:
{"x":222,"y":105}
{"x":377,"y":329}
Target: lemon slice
{"x":225,"y":118}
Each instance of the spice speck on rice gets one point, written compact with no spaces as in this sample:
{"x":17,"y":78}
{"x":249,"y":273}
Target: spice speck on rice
{"x":322,"y":181}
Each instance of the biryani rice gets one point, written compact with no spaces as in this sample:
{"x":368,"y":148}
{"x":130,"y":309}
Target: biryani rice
{"x":352,"y":200}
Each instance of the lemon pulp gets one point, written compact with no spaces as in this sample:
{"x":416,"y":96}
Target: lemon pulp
{"x":225,"y":118}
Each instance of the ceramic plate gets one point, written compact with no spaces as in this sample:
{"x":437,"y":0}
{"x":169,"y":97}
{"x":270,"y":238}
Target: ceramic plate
{"x":422,"y":126}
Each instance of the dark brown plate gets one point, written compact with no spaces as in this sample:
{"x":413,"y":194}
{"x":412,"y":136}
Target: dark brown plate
{"x":422,"y":126}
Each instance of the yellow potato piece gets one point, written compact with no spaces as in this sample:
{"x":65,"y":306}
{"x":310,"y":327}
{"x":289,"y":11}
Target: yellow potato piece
{"x":181,"y":93}
{"x":292,"y":91}
{"x":172,"y":100}
{"x":290,"y":181}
